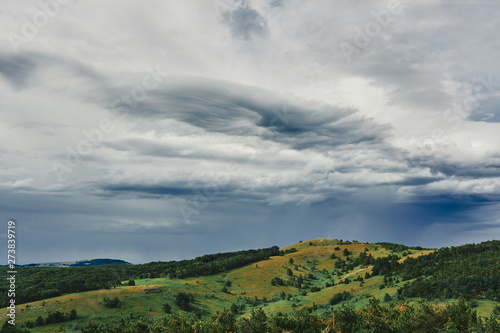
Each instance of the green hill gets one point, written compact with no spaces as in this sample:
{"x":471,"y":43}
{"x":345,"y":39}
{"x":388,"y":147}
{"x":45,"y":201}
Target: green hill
{"x":312,"y":279}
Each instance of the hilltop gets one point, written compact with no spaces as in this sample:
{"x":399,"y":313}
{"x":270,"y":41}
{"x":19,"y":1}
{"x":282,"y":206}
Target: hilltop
{"x":318,"y":276}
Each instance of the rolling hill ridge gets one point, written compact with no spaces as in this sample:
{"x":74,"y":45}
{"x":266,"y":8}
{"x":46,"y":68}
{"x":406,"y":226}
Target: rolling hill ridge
{"x":317,"y":276}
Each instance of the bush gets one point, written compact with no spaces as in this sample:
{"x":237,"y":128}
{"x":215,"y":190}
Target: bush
{"x":111,"y":303}
{"x":54,"y":317}
{"x":131,"y":283}
{"x":277,"y":281}
{"x":39,"y":321}
{"x":182,"y":301}
{"x":340,"y":297}
{"x":72,"y":315}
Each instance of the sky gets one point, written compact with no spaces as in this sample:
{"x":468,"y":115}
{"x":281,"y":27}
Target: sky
{"x":165,"y":130}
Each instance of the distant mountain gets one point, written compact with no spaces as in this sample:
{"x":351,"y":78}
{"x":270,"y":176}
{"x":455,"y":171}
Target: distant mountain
{"x":80,"y":263}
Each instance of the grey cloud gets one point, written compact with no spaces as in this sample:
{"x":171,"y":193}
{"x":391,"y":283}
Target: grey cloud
{"x":240,"y":110}
{"x":276,"y":3}
{"x":246,"y":23}
{"x":487,"y":111}
{"x":469,"y":170}
{"x":17,"y":69}
{"x":155,"y":190}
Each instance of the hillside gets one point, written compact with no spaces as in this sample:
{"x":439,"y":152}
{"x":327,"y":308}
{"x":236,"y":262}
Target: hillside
{"x":318,"y":276}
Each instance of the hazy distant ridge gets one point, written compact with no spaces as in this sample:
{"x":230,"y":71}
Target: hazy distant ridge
{"x":80,"y":263}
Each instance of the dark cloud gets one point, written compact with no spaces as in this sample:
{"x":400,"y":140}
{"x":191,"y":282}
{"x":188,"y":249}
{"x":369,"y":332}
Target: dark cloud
{"x":240,"y":110}
{"x":156,"y":189}
{"x":462,"y":170}
{"x":17,"y":69}
{"x":246,"y":23}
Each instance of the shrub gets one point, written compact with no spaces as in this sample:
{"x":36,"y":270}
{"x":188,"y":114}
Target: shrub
{"x":111,"y":303}
{"x":167,"y":308}
{"x":72,"y":315}
{"x":182,"y":301}
{"x":39,"y":321}
{"x":339,"y":297}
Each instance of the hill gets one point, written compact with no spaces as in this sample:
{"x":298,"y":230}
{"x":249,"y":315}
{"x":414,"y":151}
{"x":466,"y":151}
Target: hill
{"x":319,"y":277}
{"x":80,"y":263}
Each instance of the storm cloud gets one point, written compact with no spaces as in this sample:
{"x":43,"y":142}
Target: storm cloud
{"x":168,"y":130}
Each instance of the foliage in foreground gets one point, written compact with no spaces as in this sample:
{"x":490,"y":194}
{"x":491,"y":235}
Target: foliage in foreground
{"x":401,"y":317}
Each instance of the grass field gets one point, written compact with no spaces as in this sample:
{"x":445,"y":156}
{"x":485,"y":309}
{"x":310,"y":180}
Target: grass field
{"x":247,"y":287}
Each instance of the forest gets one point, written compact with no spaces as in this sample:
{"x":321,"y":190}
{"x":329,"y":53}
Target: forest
{"x":37,"y":283}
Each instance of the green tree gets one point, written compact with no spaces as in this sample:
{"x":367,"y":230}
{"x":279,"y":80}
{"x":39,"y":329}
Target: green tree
{"x":9,"y":328}
{"x":111,"y":303}
{"x":54,"y":317}
{"x":72,"y":314}
{"x":182,"y":301}
{"x":39,"y":321}
{"x":167,"y":308}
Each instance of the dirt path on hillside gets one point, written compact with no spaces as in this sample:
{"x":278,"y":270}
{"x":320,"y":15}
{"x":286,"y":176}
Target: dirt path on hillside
{"x":352,"y":273}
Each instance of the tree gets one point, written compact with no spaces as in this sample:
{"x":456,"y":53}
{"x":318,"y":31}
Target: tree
{"x":39,"y":321}
{"x":182,"y":301}
{"x":54,"y":317}
{"x":131,"y":283}
{"x":6,"y":327}
{"x":233,"y":308}
{"x":290,"y":261}
{"x":387,"y":297}
{"x":72,"y":315}
{"x":289,"y":272}
{"x":299,"y":281}
{"x":111,"y":303}
{"x":346,"y":252}
{"x":167,"y":308}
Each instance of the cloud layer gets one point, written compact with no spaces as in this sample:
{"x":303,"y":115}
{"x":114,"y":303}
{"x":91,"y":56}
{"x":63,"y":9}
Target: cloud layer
{"x":169,"y":130}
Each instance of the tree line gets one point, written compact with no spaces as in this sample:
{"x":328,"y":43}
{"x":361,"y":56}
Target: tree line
{"x":37,"y":283}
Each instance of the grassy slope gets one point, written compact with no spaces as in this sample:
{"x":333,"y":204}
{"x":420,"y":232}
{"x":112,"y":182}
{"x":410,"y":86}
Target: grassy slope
{"x":249,"y":281}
